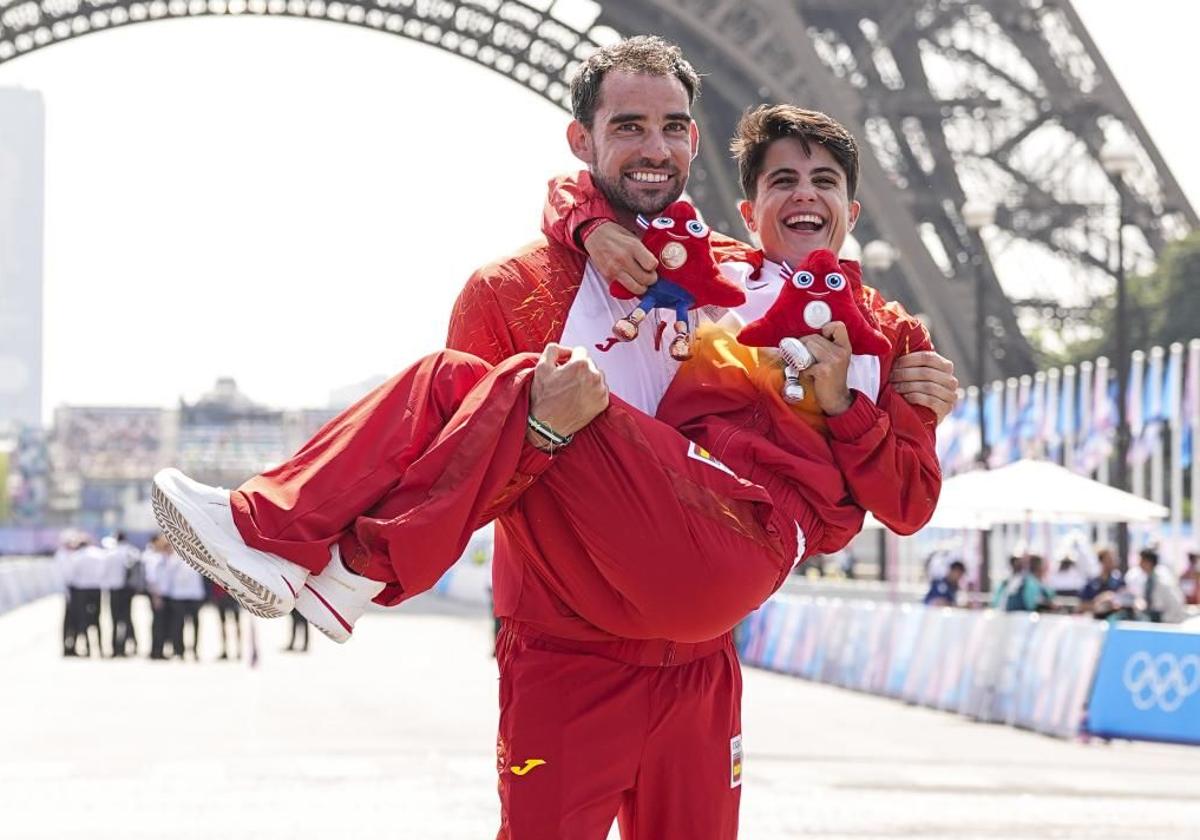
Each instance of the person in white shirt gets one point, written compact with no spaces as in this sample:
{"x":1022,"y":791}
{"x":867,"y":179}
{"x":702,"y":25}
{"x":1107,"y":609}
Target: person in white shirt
{"x":87,"y":569}
{"x":155,"y":562}
{"x":68,"y":542}
{"x":186,"y":593}
{"x":120,"y":558}
{"x":1163,"y":598}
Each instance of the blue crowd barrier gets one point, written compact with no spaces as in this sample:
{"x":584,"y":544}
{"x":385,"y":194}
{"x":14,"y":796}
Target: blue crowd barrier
{"x":1021,"y":669}
{"x":1147,"y":685}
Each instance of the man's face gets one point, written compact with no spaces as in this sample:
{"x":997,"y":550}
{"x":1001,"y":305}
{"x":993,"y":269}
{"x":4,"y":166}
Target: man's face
{"x":1107,"y":561}
{"x":954,"y":575}
{"x":641,"y":143}
{"x":802,"y":203}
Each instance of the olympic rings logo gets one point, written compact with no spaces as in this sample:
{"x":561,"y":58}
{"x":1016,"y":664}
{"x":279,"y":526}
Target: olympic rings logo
{"x":1165,"y":681}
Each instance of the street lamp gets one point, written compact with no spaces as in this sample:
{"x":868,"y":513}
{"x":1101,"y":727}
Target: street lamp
{"x":977,"y":215}
{"x":1118,"y":158}
{"x":879,"y":256}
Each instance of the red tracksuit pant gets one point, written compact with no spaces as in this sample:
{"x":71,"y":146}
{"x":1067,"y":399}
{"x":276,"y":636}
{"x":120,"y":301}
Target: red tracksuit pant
{"x":642,"y":535}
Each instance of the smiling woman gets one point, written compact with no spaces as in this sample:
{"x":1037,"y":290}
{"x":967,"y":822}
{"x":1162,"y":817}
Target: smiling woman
{"x":299,"y":230}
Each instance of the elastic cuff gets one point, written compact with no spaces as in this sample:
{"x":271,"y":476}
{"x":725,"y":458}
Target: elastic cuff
{"x":856,"y":421}
{"x":533,"y":461}
{"x":586,"y":229}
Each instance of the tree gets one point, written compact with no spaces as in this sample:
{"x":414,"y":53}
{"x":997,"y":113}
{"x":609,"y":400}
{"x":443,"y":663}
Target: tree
{"x":1164,"y":306}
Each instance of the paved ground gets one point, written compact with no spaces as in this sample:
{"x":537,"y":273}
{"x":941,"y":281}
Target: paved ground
{"x":391,"y":737}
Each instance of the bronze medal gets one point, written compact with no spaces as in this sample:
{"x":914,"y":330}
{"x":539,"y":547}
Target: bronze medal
{"x":673,"y":255}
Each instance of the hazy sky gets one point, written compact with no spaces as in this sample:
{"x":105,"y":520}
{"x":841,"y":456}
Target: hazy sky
{"x":297,"y":203}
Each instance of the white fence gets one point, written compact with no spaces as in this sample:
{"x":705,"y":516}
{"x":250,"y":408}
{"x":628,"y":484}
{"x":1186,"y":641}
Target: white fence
{"x":22,"y":581}
{"x":1022,"y":669}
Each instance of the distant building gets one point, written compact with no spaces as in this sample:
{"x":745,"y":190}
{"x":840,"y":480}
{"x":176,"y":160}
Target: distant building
{"x":22,"y":172}
{"x":103,"y":457}
{"x":347,"y":395}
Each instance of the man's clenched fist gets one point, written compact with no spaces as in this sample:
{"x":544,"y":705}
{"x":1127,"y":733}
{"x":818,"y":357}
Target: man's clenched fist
{"x":568,"y":389}
{"x":621,"y":257}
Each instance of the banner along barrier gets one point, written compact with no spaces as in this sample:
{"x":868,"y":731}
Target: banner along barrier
{"x":1147,"y":685}
{"x":23,"y":581}
{"x":1017,"y":668}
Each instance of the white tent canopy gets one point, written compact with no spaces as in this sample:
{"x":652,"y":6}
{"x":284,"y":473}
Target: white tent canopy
{"x":1036,"y":491}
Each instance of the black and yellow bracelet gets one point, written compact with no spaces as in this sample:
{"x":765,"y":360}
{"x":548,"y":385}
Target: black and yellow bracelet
{"x":552,"y":437}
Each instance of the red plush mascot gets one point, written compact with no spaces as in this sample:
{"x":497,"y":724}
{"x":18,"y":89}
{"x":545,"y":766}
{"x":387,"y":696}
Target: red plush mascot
{"x":688,"y":276}
{"x":821,"y":290}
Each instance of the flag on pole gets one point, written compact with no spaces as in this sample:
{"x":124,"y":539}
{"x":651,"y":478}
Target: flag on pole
{"x":1051,"y":436}
{"x":1190,"y":414}
{"x":1135,"y":405}
{"x":1151,"y":416}
{"x":1097,"y":446}
{"x":993,"y":419}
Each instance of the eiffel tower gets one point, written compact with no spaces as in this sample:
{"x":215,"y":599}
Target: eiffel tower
{"x":1003,"y":102}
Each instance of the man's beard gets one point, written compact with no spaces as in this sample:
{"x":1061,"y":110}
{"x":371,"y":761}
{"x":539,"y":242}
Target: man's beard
{"x":622,"y":197}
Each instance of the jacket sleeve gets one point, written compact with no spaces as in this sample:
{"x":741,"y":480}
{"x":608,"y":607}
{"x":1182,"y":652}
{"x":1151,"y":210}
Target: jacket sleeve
{"x":887,"y":450}
{"x":478,"y":327}
{"x":887,"y":454}
{"x":572,"y":201}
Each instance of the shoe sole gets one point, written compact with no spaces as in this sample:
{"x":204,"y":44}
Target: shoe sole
{"x":248,"y":592}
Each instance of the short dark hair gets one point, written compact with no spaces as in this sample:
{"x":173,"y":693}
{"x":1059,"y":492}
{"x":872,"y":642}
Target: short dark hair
{"x":646,"y":54}
{"x":1149,"y":555}
{"x":760,"y":127}
{"x":959,"y":565}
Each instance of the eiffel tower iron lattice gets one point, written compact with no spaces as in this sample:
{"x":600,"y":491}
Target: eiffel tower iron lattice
{"x":1006,"y":101}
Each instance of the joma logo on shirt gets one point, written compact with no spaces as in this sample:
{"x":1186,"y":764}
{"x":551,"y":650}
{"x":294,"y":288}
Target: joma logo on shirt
{"x":529,"y":765}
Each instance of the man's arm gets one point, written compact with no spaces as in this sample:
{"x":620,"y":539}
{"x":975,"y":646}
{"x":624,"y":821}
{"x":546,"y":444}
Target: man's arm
{"x":477,"y":327}
{"x":885,"y":449}
{"x":576,"y":215}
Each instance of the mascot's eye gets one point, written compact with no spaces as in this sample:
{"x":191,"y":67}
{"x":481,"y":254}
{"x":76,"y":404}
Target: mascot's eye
{"x":802,"y":279}
{"x":697,"y":228}
{"x":836,"y":282}
{"x":663,"y":223}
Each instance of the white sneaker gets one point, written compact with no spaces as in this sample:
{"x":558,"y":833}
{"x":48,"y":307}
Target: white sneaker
{"x":333,"y":600}
{"x":198,"y":521}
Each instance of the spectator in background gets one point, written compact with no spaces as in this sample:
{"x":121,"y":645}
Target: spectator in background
{"x":228,"y":612}
{"x":185,"y":587}
{"x":1189,"y":581}
{"x":67,"y":543}
{"x":1163,"y":600}
{"x":122,"y":558}
{"x":1016,"y":572}
{"x":1100,"y":596}
{"x":87,"y":569}
{"x":1025,"y":591}
{"x":156,"y":561}
{"x":943,"y":592}
{"x":299,"y":628}
{"x":1069,"y":579}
